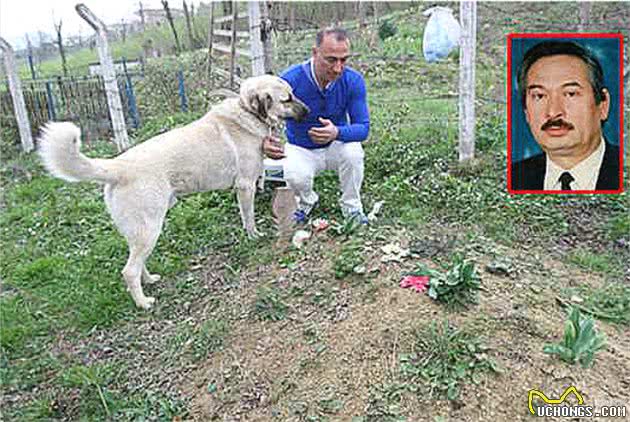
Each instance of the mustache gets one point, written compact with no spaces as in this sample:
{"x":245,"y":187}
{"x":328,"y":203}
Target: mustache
{"x":559,"y":123}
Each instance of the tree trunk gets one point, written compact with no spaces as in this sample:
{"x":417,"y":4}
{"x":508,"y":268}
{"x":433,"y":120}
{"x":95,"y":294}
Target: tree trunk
{"x":169,"y":17}
{"x":375,"y":7}
{"x":62,"y":52}
{"x":141,"y":13}
{"x":123,"y":26}
{"x":265,"y":36}
{"x":361,"y":14}
{"x":191,"y":38}
{"x":337,"y":11}
{"x":291,"y":6}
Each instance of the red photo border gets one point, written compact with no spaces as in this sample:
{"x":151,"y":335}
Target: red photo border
{"x":512,"y":36}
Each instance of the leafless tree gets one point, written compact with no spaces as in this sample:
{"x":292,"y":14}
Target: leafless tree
{"x":361,"y":13}
{"x":123,"y":28}
{"x":292,"y":6}
{"x":266,"y":27}
{"x":191,"y":38}
{"x":169,"y":17}
{"x":62,"y":52}
{"x":141,"y":13}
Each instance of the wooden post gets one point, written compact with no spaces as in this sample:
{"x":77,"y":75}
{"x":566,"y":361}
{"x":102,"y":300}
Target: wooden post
{"x":15,"y":86}
{"x":109,"y":77}
{"x":258,"y":56}
{"x":233,"y":44}
{"x":468,"y":19}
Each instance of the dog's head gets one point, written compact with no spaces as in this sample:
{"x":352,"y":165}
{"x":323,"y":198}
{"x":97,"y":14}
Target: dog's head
{"x":271,"y":99}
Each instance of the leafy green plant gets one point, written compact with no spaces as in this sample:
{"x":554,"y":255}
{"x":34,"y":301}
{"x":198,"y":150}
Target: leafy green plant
{"x":269,"y":304}
{"x":386,"y":29}
{"x":443,"y":359}
{"x":347,"y":228}
{"x":457,"y":287}
{"x":384,"y":404}
{"x":350,"y":257}
{"x":581,"y":340}
{"x":92,"y":382}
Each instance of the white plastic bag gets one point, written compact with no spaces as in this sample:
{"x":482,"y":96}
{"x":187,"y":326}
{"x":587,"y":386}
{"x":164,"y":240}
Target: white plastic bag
{"x":441,"y":34}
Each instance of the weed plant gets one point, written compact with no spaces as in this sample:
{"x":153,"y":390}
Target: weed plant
{"x":443,"y":359}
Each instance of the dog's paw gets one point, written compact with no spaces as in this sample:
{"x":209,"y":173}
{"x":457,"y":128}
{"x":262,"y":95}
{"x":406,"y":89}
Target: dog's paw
{"x":151,"y":278}
{"x":146,"y":303}
{"x":254,"y":233}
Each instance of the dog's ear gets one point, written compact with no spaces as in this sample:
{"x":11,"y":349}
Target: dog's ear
{"x":262,"y":104}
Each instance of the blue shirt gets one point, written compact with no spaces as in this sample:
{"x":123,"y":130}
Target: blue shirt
{"x":344,"y":102}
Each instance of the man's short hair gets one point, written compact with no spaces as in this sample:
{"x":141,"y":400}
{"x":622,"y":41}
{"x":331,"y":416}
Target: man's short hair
{"x":340,"y":34}
{"x":554,"y":48}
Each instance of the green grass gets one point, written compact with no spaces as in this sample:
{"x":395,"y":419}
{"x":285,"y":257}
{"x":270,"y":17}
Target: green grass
{"x":608,"y":303}
{"x":61,"y":258}
{"x":201,"y":340}
{"x":60,"y":255}
{"x":590,"y":261}
{"x":443,"y":358}
{"x":349,"y":258}
{"x":269,"y":304}
{"x":384,"y":404}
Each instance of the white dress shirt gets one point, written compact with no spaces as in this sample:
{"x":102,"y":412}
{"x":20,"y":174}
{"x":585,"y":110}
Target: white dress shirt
{"x":585,"y":173}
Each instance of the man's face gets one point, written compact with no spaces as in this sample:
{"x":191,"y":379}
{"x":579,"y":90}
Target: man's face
{"x":330,"y":58}
{"x":561,"y":109}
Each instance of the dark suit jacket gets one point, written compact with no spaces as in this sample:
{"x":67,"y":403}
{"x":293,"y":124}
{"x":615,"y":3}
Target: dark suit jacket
{"x":529,"y":174}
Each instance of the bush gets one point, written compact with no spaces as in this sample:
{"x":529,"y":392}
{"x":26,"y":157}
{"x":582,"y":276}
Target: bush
{"x":386,"y":29}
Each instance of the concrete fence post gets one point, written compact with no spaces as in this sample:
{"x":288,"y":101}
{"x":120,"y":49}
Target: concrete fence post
{"x":15,"y":86}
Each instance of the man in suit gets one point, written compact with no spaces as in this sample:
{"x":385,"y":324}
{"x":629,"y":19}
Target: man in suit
{"x":565,"y":104}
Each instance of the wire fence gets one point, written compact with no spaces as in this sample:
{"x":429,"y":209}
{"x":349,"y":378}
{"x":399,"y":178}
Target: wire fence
{"x":182,"y":85}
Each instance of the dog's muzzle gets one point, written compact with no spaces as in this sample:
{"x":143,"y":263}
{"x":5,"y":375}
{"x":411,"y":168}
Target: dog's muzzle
{"x":301,"y":110}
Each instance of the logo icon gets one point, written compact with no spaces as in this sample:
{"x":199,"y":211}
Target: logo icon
{"x":537,"y":393}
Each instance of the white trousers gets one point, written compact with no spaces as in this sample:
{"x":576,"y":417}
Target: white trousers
{"x":302,"y":165}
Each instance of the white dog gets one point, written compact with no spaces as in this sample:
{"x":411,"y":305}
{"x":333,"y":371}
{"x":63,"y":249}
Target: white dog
{"x":223,"y":149}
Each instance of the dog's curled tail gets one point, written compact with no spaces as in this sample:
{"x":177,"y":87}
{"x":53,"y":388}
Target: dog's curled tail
{"x":59,"y":148}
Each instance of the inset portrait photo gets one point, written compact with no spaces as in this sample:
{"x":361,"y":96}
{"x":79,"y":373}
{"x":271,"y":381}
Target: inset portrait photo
{"x":565,"y":113}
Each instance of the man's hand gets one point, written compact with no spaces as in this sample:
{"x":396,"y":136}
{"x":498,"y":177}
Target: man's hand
{"x":324,"y":135}
{"x":273,"y":148}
